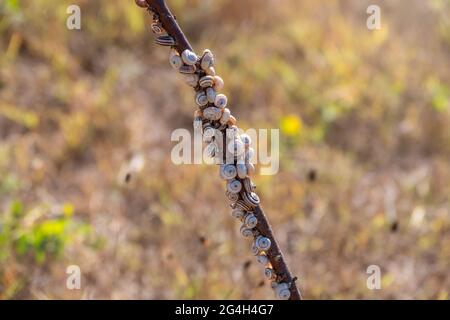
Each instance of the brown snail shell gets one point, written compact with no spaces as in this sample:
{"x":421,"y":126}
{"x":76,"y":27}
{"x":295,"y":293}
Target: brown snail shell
{"x":141,"y":3}
{"x":165,"y":40}
{"x":242,"y":205}
{"x":232,"y":121}
{"x":207,"y":60}
{"x":157,"y":28}
{"x":248,"y":185}
{"x":206,"y":81}
{"x":218,"y":83}
{"x":210,"y":71}
{"x":185,"y":69}
{"x":250,"y":169}
{"x":233,"y":197}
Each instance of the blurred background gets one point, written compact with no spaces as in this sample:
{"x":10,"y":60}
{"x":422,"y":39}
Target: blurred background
{"x":86,"y":177}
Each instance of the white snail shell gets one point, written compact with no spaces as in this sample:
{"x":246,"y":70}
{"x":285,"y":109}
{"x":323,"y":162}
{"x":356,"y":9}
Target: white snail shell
{"x":211,"y":149}
{"x":225,"y":116}
{"x":250,"y":220}
{"x":228,"y":171}
{"x":236,"y":147}
{"x":241,"y":170}
{"x":218,"y":83}
{"x":221,"y":100}
{"x":211,"y":94}
{"x":165,"y":40}
{"x":191,"y":79}
{"x":189,"y":57}
{"x":262,"y":259}
{"x":234,"y":186}
{"x":201,"y":99}
{"x":233,"y":197}
{"x":250,"y":169}
{"x":187,"y":69}
{"x":198,"y":123}
{"x":246,"y":232}
{"x":269,"y":273}
{"x":246,"y":140}
{"x":208,"y":134}
{"x":212,"y":113}
{"x":206,"y":81}
{"x":237,"y":213}
{"x":255,"y":250}
{"x":249,"y":153}
{"x":207,"y":60}
{"x":262,"y":243}
{"x":251,"y":199}
{"x":282,"y":291}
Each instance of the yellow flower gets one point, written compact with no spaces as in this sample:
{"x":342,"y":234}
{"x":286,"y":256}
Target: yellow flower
{"x":291,"y":125}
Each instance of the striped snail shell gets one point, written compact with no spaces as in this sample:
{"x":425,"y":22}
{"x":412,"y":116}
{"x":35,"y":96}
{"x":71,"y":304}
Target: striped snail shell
{"x":198,"y":123}
{"x":201,"y":99}
{"x":165,"y":40}
{"x":262,"y":243}
{"x":250,"y":220}
{"x":255,"y":250}
{"x":251,"y":199}
{"x":211,"y":149}
{"x":246,"y":232}
{"x":207,"y":60}
{"x":206,"y":81}
{"x":175,"y":60}
{"x":241,"y":170}
{"x":233,"y":197}
{"x":212,"y":113}
{"x":189,"y":57}
{"x":208,"y":134}
{"x":250,"y":169}
{"x":228,"y":171}
{"x":157,"y":28}
{"x":262,"y":259}
{"x":225,"y":116}
{"x":185,"y":69}
{"x":211,"y":94}
{"x":234,"y":186}
{"x":221,"y":100}
{"x":210,"y":71}
{"x":218,"y":83}
{"x":241,"y":204}
{"x":269,"y":273}
{"x":191,"y":79}
{"x":248,"y":185}
{"x":282,"y":291}
{"x":237,"y":213}
{"x":246,"y":140}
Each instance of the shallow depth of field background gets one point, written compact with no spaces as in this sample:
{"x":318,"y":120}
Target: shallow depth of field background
{"x":365,"y":150}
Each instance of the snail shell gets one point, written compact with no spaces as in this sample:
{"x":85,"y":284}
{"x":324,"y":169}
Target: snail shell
{"x":206,"y":81}
{"x":185,"y":69}
{"x":191,"y":79}
{"x":250,"y":220}
{"x":225,"y":116}
{"x":269,"y":273}
{"x":198,"y":123}
{"x":249,"y":153}
{"x":208,"y":134}
{"x":262,"y":243}
{"x":237,"y":213}
{"x":189,"y":57}
{"x":211,"y":149}
{"x":246,"y":140}
{"x":236,"y":147}
{"x":175,"y":61}
{"x":282,"y":291}
{"x":246,"y":232}
{"x":212,"y":113}
{"x":207,"y":60}
{"x":228,"y":171}
{"x":211,"y":94}
{"x":241,"y":204}
{"x":218,"y":83}
{"x":241,"y":170}
{"x":141,"y":3}
{"x":248,"y":185}
{"x":255,"y":250}
{"x":232,"y":121}
{"x":157,"y":28}
{"x":165,"y":40}
{"x":221,"y":100}
{"x":210,"y":71}
{"x":201,"y":99}
{"x":234,"y":186}
{"x":250,"y":169}
{"x":251,"y":199}
{"x":262,"y":259}
{"x":233,"y":197}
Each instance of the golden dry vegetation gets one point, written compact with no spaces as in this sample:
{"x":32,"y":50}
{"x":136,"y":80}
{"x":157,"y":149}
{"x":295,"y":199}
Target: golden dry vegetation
{"x":365,"y":148}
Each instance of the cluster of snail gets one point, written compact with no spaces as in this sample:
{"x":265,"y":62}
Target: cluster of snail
{"x":215,"y":121}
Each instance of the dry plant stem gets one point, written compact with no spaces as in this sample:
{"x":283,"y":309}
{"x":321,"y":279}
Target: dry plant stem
{"x":274,"y":254}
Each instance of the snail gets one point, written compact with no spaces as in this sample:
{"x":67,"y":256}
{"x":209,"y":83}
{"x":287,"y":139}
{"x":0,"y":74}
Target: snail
{"x":207,"y":60}
{"x":262,"y":243}
{"x":250,"y":220}
{"x":142,"y":3}
{"x":248,"y":185}
{"x":236,"y":147}
{"x":211,"y":94}
{"x":250,"y":169}
{"x":211,"y":149}
{"x":269,"y":273}
{"x":233,"y":197}
{"x":206,"y":81}
{"x":186,"y":69}
{"x":208,"y":134}
{"x":210,"y":71}
{"x":211,"y":113}
{"x":249,"y":153}
{"x":157,"y":28}
{"x":251,"y":199}
{"x":200,"y":99}
{"x":191,"y":79}
{"x":241,"y":170}
{"x":234,"y":186}
{"x":189,"y":57}
{"x":255,"y":250}
{"x":241,"y":204}
{"x":221,"y":100}
{"x":218,"y":83}
{"x":246,"y":140}
{"x":262,"y":259}
{"x":228,"y":171}
{"x":282,"y":291}
{"x":225,"y":116}
{"x":175,"y":60}
{"x":165,"y":40}
{"x":232,"y":121}
{"x":237,"y":213}
{"x":246,"y":232}
{"x":198,"y":122}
